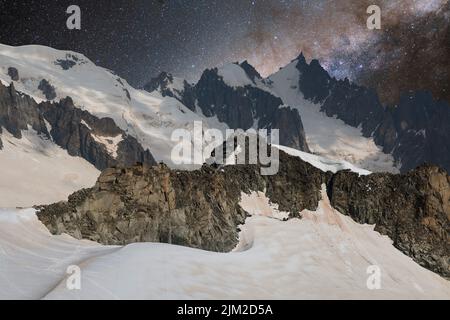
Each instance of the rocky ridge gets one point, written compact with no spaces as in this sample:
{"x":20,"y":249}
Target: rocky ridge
{"x":99,"y":141}
{"x":240,"y":107}
{"x":201,"y":208}
{"x":415,"y":131}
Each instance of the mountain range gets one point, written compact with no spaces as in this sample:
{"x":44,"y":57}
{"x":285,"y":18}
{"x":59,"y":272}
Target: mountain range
{"x":92,"y":156}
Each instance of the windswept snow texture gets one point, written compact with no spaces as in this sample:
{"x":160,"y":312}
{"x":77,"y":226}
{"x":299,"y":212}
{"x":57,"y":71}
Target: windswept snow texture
{"x":37,"y":171}
{"x":322,"y":163}
{"x":150,"y":118}
{"x":326,"y":136}
{"x":234,"y":76}
{"x":323,"y":255}
{"x":32,"y":261}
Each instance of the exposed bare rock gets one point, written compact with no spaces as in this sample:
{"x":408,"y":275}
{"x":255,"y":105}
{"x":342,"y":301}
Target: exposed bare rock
{"x":47,"y":89}
{"x":412,"y":209}
{"x":197,"y":209}
{"x":201,"y":208}
{"x":13,"y":73}
{"x":19,"y":112}
{"x":99,"y":141}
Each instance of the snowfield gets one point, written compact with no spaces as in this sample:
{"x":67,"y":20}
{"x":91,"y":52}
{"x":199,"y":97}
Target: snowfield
{"x":322,"y":163}
{"x":150,"y":118}
{"x":329,"y":137}
{"x":37,"y":171}
{"x":325,"y":255}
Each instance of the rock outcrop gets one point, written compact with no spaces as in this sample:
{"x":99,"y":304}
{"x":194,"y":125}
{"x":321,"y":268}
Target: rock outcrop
{"x":412,"y":209}
{"x":19,"y":112}
{"x":415,"y":131}
{"x":241,"y":107}
{"x":201,"y":208}
{"x":99,"y":141}
{"x":198,"y":209}
{"x":13,"y":73}
{"x":47,"y":89}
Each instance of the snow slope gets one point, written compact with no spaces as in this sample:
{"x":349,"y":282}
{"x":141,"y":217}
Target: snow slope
{"x":148,"y":117}
{"x":152,"y":118}
{"x":329,"y":137}
{"x":32,"y":261}
{"x":37,"y":171}
{"x":324,"y":255}
{"x":234,"y":76}
{"x":322,"y":163}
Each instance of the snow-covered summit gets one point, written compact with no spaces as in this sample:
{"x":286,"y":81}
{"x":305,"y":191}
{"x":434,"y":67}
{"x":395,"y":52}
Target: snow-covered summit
{"x":327,"y":136}
{"x":149,"y":117}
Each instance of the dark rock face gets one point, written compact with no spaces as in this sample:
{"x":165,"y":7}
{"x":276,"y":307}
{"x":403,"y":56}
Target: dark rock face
{"x":162,"y":83}
{"x":242,"y":107}
{"x":69,"y":62}
{"x":314,"y":81}
{"x":13,"y":73}
{"x":197,"y":209}
{"x":18,"y":111}
{"x":290,"y":126}
{"x":75,"y":129}
{"x":250,"y":71}
{"x":412,"y":209}
{"x":71,"y":128}
{"x":47,"y":89}
{"x":356,"y":106}
{"x":239,"y":108}
{"x":415,"y":131}
{"x":65,"y":64}
{"x":201,"y":208}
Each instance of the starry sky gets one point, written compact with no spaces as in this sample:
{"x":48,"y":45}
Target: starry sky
{"x":140,"y":38}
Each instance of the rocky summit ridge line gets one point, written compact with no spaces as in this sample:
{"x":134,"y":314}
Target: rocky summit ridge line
{"x":201,"y":209}
{"x":73,"y":129}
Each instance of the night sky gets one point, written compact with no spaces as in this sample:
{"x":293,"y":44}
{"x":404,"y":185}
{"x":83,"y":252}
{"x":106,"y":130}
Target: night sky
{"x":140,"y":38}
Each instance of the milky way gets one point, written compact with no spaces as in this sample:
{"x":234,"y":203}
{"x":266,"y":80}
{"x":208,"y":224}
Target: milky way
{"x":141,"y":38}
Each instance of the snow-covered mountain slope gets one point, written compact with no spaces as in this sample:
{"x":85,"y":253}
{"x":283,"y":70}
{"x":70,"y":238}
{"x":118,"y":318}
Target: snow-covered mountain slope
{"x":326,"y":136}
{"x":37,"y":171}
{"x":322,"y":163}
{"x":219,"y":89}
{"x":323,"y":255}
{"x":33,"y":261}
{"x":150,"y":118}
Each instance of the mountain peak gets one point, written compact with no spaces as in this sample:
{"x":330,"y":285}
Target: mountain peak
{"x":159,"y":82}
{"x":301,"y":58}
{"x":251,"y":72}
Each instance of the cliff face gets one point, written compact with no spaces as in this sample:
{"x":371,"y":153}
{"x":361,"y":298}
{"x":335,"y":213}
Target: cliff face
{"x":99,"y":141}
{"x":19,"y":112}
{"x":197,"y":209}
{"x":415,"y":131}
{"x":240,"y":107}
{"x":201,"y":208}
{"x":412,"y":209}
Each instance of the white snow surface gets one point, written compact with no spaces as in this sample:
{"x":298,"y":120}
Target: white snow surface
{"x":234,"y":76}
{"x":322,"y":163}
{"x":111,"y":143}
{"x":149,"y":117}
{"x":325,"y":255}
{"x":326,"y":136}
{"x":152,"y":118}
{"x":37,"y":171}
